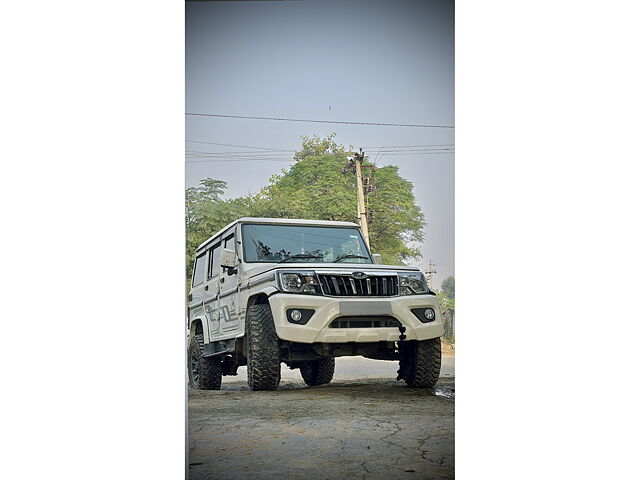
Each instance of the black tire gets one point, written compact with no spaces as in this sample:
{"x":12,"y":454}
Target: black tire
{"x":420,"y":363}
{"x":205,"y":373}
{"x":263,"y":349}
{"x":318,"y":372}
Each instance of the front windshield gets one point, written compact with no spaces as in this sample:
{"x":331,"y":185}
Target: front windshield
{"x":310,"y":244}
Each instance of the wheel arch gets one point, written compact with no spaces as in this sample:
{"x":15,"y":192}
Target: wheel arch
{"x":260,"y":298}
{"x":199,"y":325}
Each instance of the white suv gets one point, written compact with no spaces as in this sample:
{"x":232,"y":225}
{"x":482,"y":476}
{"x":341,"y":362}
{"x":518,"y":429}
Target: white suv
{"x":267,"y":291}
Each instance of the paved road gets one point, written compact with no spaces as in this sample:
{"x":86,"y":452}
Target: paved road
{"x":364,"y":425}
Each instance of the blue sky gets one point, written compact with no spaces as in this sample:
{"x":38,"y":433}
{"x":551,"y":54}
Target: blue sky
{"x":373,"y":61}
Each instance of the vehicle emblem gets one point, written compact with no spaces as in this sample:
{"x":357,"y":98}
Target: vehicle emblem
{"x":359,"y":275}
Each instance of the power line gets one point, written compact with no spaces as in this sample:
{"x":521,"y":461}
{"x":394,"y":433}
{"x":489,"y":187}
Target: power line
{"x":381,"y":148}
{"x":208,"y":158}
{"x":241,"y":153}
{"x":277,"y":154}
{"x":428,"y":152}
{"x":214,"y":157}
{"x":221,"y":160}
{"x":444,"y":149}
{"x":414,"y":146}
{"x":240,"y":146}
{"x":280,"y":152}
{"x":270,"y":154}
{"x":319,"y":121}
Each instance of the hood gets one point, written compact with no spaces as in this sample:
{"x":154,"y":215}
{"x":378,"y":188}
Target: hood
{"x":253,"y":269}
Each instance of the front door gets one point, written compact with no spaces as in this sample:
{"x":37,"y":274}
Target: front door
{"x":211,"y":292}
{"x":229,"y":308}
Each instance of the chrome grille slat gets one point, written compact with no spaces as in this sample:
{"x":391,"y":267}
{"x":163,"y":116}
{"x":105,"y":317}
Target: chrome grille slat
{"x":334,"y":280}
{"x":344,"y":284}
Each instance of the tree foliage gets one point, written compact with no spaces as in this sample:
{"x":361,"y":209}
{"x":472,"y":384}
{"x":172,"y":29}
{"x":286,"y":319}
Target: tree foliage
{"x":395,"y":219}
{"x":447,"y":294}
{"x":449,"y":287}
{"x":206,"y":213}
{"x":318,"y":147}
{"x":315,"y":187}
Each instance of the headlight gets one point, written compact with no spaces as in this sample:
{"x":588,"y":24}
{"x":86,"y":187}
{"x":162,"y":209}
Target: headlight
{"x":299,"y":282}
{"x":412,"y":284}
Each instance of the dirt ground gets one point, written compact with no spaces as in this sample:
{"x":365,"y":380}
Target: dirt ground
{"x":354,"y":428}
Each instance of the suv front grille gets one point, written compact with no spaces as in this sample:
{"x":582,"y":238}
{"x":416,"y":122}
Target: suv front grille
{"x":347,"y":286}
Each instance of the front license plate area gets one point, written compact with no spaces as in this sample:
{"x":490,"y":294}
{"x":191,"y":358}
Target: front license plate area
{"x":365,"y":308}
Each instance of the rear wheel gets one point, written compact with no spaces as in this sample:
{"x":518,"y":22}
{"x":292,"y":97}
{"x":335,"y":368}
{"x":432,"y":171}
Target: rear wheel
{"x":318,"y":372}
{"x":205,"y":373}
{"x":263,"y":349}
{"x":420,"y":362}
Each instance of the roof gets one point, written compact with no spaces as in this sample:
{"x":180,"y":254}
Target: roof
{"x":279,"y":221}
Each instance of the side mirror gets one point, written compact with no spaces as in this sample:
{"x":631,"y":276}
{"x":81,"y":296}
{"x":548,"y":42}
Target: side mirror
{"x":228,"y":259}
{"x":377,"y":258}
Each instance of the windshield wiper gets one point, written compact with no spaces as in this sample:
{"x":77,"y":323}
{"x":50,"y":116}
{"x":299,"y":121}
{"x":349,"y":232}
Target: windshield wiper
{"x":349,"y":255}
{"x":300,"y":255}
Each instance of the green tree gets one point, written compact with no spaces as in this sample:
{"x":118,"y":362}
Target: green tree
{"x":206,"y":213}
{"x":445,"y":302}
{"x":449,"y":287}
{"x":447,"y":294}
{"x":318,"y":147}
{"x":313,"y":187}
{"x":316,"y":187}
{"x":395,"y":221}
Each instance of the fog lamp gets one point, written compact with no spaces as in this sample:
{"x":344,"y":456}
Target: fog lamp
{"x":429,"y":314}
{"x":295,"y":315}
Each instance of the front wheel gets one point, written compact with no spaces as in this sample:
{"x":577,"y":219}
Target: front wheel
{"x":318,"y":372}
{"x":263,"y":349}
{"x":420,"y":362}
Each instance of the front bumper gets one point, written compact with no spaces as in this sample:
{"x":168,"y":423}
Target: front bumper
{"x":328,"y":309}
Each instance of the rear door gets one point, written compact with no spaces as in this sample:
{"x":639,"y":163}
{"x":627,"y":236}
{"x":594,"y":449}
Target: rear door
{"x":196,"y":296}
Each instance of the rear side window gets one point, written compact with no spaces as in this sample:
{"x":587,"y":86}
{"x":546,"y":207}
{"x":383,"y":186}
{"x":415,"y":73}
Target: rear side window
{"x":214,"y":261}
{"x":198,"y":270}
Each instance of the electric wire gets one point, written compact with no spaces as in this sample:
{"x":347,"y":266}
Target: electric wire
{"x":272,"y":154}
{"x":204,"y":159}
{"x":275,"y":154}
{"x":318,"y":121}
{"x":241,"y":146}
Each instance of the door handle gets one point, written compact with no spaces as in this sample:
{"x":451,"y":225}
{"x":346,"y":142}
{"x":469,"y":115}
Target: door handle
{"x":206,"y":287}
{"x":222,"y":280}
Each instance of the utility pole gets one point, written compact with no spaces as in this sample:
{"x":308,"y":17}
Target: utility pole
{"x":362,"y":209}
{"x":355,"y":165}
{"x":430,"y":272}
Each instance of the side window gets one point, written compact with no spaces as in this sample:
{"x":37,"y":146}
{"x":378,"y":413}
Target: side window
{"x":229,"y":243}
{"x":214,"y":261}
{"x":198,"y":270}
